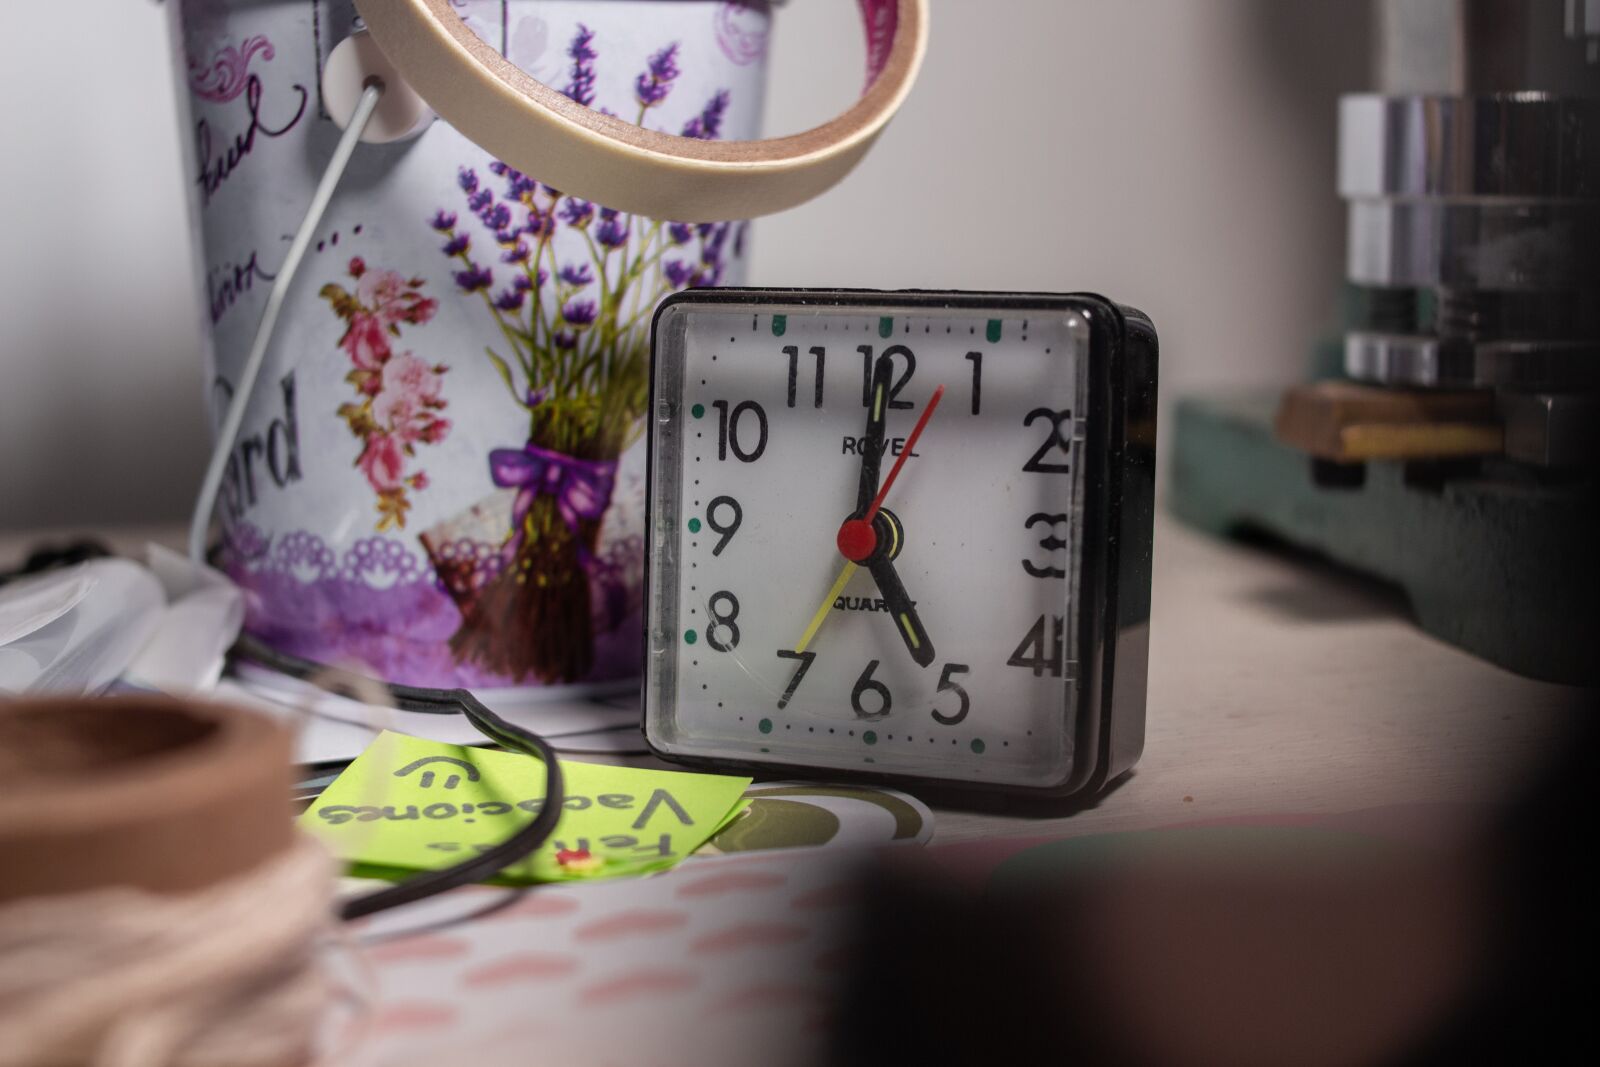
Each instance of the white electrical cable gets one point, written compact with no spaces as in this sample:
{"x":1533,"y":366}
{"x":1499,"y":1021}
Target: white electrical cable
{"x":200,"y":524}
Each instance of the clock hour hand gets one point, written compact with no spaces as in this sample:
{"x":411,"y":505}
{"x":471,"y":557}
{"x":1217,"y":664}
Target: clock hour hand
{"x":872,"y":538}
{"x":902,"y":610}
{"x":873,"y":443}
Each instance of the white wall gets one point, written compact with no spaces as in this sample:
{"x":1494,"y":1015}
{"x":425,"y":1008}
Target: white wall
{"x":1175,"y":154}
{"x":99,"y":363}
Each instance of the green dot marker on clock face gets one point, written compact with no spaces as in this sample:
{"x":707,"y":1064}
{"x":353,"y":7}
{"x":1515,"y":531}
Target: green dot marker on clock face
{"x":698,"y":411}
{"x":870,"y":738}
{"x":694,"y":525}
{"x":766,"y":726}
{"x":690,"y":637}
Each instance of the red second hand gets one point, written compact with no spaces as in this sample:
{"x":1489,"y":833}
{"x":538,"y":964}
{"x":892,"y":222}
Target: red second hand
{"x":911,"y":443}
{"x":857,"y":540}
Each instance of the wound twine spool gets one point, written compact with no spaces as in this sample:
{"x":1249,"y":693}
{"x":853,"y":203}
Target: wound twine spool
{"x":157,"y":908}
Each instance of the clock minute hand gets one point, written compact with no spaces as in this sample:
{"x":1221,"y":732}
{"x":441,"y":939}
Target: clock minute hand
{"x":871,"y":465}
{"x":904,"y":612}
{"x":877,"y":426}
{"x":858,"y":542}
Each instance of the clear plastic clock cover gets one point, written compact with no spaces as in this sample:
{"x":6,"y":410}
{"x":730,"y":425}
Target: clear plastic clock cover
{"x":767,"y":645}
{"x":441,"y":475}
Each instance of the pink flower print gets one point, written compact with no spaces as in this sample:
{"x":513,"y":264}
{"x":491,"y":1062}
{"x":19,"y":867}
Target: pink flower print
{"x":407,"y":375}
{"x":367,"y":342}
{"x":400,"y":395}
{"x":383,"y":462}
{"x":421,"y":310}
{"x":382,"y":292}
{"x":394,"y":411}
{"x":436,"y":430}
{"x":409,"y":392}
{"x":393,"y":298}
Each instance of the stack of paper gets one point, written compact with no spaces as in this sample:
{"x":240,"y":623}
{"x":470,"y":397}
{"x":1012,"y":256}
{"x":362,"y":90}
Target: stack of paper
{"x":336,"y":728}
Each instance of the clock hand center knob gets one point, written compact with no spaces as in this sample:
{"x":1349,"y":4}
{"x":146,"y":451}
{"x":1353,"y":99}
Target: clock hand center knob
{"x":862,"y":541}
{"x":857,"y":540}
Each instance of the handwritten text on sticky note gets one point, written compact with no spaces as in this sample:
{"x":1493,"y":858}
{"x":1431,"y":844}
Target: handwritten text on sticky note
{"x":410,"y":804}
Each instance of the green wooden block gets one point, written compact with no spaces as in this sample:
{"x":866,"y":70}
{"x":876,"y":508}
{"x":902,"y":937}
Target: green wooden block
{"x":1500,"y":564}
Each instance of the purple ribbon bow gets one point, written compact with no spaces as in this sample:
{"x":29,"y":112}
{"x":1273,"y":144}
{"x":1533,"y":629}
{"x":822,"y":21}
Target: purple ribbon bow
{"x":581,"y":487}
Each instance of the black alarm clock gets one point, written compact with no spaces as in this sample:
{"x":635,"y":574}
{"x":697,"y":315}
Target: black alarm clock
{"x":900,"y":535}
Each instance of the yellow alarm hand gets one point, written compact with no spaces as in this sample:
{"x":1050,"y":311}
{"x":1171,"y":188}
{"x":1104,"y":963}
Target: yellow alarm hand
{"x":828,"y":605}
{"x":800,"y":652}
{"x":821,"y":616}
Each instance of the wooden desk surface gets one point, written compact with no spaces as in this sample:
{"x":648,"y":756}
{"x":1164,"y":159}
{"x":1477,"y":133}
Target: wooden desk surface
{"x":1283,"y":686}
{"x":1277,"y":686}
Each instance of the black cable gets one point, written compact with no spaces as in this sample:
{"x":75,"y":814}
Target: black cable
{"x":484,"y":865}
{"x":492,"y":861}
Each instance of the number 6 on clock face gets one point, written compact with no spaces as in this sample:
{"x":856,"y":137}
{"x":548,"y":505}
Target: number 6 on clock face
{"x":903,"y":536}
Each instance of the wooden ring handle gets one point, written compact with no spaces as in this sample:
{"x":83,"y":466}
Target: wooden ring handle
{"x":541,"y":132}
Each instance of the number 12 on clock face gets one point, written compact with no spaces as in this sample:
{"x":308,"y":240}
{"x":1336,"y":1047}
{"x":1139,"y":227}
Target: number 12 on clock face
{"x":903,"y":536}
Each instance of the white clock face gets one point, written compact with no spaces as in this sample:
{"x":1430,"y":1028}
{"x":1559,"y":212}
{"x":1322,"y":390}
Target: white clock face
{"x":936,"y":638}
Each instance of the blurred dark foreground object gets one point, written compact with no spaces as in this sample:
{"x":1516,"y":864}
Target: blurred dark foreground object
{"x":156,"y":905}
{"x":164,"y":795}
{"x":1239,"y":945}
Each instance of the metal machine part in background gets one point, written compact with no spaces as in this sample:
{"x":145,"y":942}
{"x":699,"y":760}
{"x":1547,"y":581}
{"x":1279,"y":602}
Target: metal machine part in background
{"x":1583,"y":24}
{"x":1473,"y":187}
{"x":1460,"y":459}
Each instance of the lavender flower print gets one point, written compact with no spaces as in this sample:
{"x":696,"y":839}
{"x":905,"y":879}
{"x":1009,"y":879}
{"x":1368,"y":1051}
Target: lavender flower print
{"x":474,"y":279}
{"x":655,"y":83}
{"x":577,"y":274}
{"x":581,"y":87}
{"x":575,"y":361}
{"x":579,"y":312}
{"x":577,"y":213}
{"x":612,"y":233}
{"x":707,"y":126}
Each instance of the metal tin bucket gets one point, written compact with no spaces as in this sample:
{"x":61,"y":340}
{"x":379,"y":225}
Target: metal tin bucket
{"x":440,"y":478}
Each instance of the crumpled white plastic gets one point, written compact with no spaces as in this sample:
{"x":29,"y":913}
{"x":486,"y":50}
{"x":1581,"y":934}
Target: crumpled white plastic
{"x":165,"y":626}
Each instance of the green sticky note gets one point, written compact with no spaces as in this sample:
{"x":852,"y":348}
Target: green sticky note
{"x":407,"y":804}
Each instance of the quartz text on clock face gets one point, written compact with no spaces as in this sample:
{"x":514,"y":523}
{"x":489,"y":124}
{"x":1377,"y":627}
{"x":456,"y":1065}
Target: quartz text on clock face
{"x":873,"y":518}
